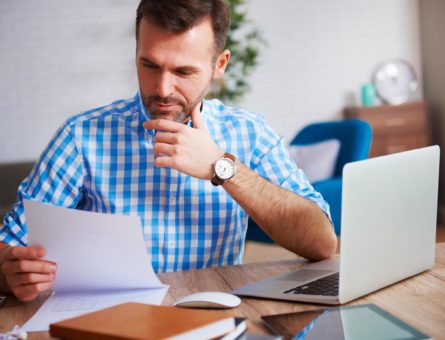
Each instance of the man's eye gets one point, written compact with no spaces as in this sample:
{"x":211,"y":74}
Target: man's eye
{"x":148,"y":65}
{"x":184,"y":72}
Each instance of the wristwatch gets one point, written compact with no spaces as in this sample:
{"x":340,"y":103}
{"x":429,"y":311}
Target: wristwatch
{"x":224,"y":169}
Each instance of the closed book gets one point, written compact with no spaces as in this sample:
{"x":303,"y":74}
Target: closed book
{"x":142,"y":321}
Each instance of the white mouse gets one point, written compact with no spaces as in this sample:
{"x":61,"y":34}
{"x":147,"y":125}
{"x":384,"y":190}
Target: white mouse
{"x":209,"y":300}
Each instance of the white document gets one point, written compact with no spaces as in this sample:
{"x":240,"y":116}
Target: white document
{"x":101,"y":261}
{"x":63,"y":306}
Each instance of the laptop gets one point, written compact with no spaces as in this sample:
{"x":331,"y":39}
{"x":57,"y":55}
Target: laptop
{"x":388,"y":231}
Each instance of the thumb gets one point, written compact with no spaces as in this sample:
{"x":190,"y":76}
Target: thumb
{"x":198,"y":122}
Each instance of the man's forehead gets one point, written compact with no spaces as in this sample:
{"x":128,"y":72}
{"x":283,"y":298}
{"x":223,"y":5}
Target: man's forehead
{"x":201,"y":33}
{"x":192,"y":47}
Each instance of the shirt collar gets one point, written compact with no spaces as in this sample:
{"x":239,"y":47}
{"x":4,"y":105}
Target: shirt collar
{"x":141,"y":107}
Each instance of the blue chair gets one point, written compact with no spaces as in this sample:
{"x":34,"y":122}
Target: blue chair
{"x":355,"y":141}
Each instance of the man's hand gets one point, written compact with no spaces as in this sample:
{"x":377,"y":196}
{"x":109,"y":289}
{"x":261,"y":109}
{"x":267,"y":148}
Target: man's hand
{"x":189,"y":150}
{"x":25,"y":273}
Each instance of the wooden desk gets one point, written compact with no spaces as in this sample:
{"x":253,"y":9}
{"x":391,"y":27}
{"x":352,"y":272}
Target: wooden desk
{"x":419,"y":301}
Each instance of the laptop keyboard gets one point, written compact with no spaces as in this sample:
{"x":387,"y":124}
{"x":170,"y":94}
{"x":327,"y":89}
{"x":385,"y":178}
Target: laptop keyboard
{"x":326,"y":286}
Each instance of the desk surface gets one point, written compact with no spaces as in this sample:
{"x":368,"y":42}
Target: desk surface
{"x":419,"y":301}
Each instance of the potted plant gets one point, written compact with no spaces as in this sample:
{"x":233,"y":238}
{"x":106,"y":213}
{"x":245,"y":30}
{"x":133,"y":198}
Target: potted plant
{"x":243,"y":41}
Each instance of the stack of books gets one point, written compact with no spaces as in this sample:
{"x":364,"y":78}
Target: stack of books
{"x":142,"y":321}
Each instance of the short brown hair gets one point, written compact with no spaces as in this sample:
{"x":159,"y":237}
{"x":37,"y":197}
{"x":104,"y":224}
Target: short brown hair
{"x":178,"y":16}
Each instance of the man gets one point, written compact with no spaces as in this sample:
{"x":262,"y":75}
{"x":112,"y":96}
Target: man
{"x":191,"y":169}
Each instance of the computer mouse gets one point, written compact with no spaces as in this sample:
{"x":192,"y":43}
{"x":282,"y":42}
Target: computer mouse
{"x":218,"y":300}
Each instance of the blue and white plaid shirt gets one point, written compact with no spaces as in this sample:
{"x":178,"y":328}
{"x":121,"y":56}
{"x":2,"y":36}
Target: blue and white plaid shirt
{"x":102,"y":160}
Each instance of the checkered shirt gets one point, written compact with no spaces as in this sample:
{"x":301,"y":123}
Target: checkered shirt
{"x":102,"y":160}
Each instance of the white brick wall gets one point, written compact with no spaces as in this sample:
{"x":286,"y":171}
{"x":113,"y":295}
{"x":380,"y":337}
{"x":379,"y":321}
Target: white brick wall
{"x":320,"y":53}
{"x":58,"y":58}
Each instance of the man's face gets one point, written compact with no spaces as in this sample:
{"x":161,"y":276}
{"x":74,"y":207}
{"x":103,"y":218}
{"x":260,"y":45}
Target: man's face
{"x":175,"y":71}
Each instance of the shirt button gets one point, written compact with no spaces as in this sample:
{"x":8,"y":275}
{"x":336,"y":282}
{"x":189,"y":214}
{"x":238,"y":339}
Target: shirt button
{"x":171,"y":243}
{"x":172,"y":199}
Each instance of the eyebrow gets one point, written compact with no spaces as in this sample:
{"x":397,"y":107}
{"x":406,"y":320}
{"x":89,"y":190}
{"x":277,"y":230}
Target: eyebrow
{"x":147,"y":60}
{"x":189,"y":68}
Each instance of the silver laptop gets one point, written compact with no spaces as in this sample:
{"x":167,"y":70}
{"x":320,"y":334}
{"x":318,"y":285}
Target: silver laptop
{"x":388,"y":230}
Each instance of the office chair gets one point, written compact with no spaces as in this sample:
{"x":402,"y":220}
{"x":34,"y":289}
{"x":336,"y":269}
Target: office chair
{"x":354,"y":136}
{"x":11,"y":175}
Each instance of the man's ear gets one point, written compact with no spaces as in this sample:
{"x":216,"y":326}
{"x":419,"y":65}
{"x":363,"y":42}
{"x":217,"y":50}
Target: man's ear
{"x":221,"y":63}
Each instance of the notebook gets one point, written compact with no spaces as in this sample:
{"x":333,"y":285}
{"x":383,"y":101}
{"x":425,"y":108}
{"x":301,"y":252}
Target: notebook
{"x":388,"y":227}
{"x":142,"y":321}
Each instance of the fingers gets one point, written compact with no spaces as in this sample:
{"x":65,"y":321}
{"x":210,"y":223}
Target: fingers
{"x":198,"y":122}
{"x":163,"y":125}
{"x":162,"y":149}
{"x":26,"y":273}
{"x":28,"y":266}
{"x":30,"y":278}
{"x":166,"y":137}
{"x":166,"y":162}
{"x":30,"y":252}
{"x":29,"y":292}
{"x":166,"y":155}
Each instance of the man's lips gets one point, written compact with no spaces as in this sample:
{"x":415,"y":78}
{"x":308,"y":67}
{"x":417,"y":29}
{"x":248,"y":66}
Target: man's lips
{"x":162,"y":106}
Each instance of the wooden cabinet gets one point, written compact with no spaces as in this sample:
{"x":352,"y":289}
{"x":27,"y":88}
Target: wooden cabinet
{"x":395,"y":128}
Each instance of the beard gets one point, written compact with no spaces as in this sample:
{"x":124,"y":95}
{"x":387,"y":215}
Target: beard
{"x":182,"y":115}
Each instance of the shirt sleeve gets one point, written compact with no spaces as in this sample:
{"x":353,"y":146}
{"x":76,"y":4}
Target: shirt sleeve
{"x":273,"y":162}
{"x":57,"y":178}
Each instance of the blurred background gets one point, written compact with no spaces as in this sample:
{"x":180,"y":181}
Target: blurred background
{"x":58,"y":58}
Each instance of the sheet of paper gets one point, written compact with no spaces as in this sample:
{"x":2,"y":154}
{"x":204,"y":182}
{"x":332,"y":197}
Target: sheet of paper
{"x":63,"y":306}
{"x":92,"y":250}
{"x":101,"y":261}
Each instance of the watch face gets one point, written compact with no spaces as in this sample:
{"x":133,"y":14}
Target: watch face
{"x":395,"y":82}
{"x":224,"y":168}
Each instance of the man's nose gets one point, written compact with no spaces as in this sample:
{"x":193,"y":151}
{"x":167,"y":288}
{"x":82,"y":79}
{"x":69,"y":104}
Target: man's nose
{"x":165,"y":85}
